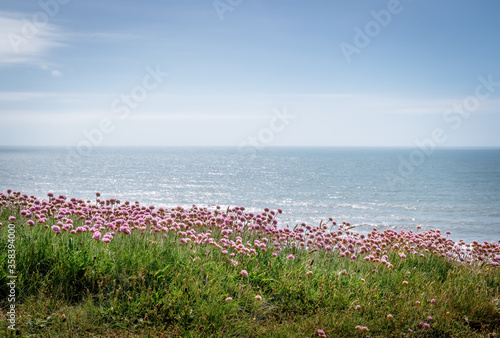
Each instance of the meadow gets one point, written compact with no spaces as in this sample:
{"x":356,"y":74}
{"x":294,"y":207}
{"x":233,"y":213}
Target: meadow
{"x":112,"y":268}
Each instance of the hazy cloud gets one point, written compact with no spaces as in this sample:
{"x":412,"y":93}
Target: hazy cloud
{"x":25,"y":41}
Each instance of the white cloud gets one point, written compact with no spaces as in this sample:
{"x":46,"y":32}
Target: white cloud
{"x":56,"y":73}
{"x":26,"y":40}
{"x":106,"y":36}
{"x":382,"y":104}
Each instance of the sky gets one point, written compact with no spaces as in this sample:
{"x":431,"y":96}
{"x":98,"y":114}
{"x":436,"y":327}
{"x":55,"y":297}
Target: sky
{"x":249,"y":72}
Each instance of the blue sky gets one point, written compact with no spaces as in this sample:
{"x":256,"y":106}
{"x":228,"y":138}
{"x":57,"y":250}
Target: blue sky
{"x":364,"y":73}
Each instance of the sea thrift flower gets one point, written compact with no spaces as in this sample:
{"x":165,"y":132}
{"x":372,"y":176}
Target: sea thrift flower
{"x":97,"y":235}
{"x":405,"y":283}
{"x":290,"y":256}
{"x":358,"y":307}
{"x":417,"y":303}
{"x":433,"y":300}
{"x":56,"y":229}
{"x":429,"y":318}
{"x":362,"y":280}
{"x":244,"y":273}
{"x":321,"y":333}
{"x":308,"y":273}
{"x":275,"y":254}
{"x":228,"y":299}
{"x":389,"y":316}
{"x":12,"y":218}
{"x":258,"y":298}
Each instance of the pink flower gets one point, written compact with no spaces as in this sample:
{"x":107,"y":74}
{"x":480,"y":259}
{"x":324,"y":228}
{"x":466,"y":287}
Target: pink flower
{"x":433,"y":300}
{"x":321,"y":333}
{"x":417,"y":303}
{"x":405,"y":283}
{"x":258,"y":298}
{"x":228,"y":299}
{"x":12,"y":218}
{"x":244,"y":273}
{"x":308,"y":273}
{"x":290,"y":256}
{"x":56,"y":229}
{"x":389,"y":316}
{"x":97,"y":235}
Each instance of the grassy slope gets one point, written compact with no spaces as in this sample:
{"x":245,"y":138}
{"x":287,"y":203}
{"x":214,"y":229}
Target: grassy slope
{"x":147,"y":284}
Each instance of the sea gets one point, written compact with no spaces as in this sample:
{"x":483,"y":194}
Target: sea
{"x":452,"y":189}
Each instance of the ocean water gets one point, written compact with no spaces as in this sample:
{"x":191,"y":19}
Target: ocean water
{"x":450,"y":189}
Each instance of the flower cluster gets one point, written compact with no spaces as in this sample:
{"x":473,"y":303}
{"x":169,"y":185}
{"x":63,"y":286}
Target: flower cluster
{"x":106,"y":219}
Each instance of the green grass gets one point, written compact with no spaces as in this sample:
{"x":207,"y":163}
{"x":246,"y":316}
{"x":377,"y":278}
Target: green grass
{"x":145,"y":284}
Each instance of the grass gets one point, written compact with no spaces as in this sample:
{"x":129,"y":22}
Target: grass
{"x":152,"y":285}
